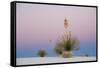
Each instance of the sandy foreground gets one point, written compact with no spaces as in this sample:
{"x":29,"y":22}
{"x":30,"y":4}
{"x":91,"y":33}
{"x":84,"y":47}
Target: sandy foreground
{"x":40,"y":60}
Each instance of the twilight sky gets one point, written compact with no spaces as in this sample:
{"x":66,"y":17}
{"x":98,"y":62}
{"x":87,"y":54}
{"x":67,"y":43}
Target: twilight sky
{"x":37,"y":24}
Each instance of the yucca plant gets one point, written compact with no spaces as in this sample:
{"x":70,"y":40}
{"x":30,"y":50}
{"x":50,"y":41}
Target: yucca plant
{"x":66,"y":45}
{"x":41,"y":53}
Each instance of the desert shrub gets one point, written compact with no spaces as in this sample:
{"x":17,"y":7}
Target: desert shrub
{"x":41,"y":53}
{"x":67,"y":43}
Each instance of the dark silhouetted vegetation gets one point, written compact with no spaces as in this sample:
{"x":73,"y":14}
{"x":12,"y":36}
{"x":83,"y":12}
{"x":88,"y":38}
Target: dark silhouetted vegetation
{"x":41,"y":53}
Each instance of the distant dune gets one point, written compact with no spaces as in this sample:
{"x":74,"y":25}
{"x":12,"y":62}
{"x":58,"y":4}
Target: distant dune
{"x":40,"y":60}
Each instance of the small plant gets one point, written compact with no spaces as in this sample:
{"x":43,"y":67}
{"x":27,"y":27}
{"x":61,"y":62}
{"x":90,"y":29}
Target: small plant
{"x":41,"y":53}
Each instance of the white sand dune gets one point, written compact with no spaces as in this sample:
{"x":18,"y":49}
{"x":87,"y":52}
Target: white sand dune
{"x":40,"y":60}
